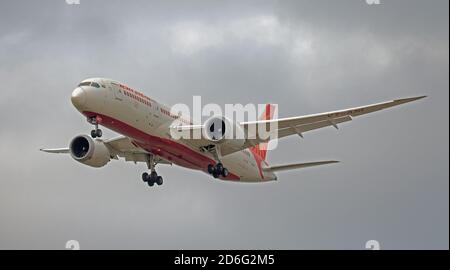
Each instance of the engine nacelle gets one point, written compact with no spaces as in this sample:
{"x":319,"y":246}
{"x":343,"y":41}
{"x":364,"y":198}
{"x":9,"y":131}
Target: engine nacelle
{"x":90,"y":152}
{"x":221,"y":130}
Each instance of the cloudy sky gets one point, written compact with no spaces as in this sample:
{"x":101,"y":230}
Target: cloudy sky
{"x":306,"y":56}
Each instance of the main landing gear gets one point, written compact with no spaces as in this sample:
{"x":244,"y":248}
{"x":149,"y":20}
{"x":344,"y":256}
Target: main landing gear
{"x":152,"y":178}
{"x":95,"y":132}
{"x":218,"y":170}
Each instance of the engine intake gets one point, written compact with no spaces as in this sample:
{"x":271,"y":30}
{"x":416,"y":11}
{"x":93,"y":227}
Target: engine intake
{"x":89,"y":152}
{"x":221,"y":130}
{"x":216,"y":129}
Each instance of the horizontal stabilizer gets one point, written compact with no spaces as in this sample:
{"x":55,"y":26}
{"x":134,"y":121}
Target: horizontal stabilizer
{"x":298,"y":165}
{"x":56,"y":150}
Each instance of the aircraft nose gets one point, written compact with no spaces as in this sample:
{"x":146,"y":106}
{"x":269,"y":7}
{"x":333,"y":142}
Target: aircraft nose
{"x":78,"y":97}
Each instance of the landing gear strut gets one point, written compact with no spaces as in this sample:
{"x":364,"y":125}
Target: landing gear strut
{"x":153,"y":177}
{"x":95,"y":132}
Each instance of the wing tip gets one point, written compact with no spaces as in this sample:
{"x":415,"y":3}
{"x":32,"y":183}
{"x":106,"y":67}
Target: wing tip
{"x":331,"y":162}
{"x":410,"y":99}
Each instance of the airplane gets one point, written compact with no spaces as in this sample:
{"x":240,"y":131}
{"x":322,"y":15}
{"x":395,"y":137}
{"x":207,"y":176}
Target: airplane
{"x":145,"y":124}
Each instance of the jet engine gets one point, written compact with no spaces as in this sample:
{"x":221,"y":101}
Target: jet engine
{"x":221,"y":130}
{"x":90,"y":152}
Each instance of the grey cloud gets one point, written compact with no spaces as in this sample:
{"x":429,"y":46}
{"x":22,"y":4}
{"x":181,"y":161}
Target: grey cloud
{"x":391,"y":186}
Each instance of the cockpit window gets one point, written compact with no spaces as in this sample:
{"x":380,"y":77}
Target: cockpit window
{"x":85,"y":84}
{"x":94,"y":84}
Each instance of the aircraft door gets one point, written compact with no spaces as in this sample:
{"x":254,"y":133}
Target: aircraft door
{"x":118,"y":93}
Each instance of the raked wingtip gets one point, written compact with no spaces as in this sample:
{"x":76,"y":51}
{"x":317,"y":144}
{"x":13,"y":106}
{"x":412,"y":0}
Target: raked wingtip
{"x":407,"y":100}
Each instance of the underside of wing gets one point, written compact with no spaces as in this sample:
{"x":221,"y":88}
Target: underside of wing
{"x":119,"y":147}
{"x":124,"y":147}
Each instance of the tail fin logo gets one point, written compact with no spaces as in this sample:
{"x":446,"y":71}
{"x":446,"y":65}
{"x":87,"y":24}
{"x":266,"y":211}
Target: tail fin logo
{"x":261,"y":149}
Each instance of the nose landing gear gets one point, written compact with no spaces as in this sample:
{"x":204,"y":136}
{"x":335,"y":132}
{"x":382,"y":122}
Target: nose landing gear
{"x":95,"y":132}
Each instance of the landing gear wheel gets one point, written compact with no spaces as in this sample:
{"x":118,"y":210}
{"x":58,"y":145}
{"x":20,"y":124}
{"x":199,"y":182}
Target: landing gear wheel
{"x":159,"y":180}
{"x":219,"y":167}
{"x":218,"y":170}
{"x":225,"y":172}
{"x":96,"y":133}
{"x":210,"y":169}
{"x":152,"y":178}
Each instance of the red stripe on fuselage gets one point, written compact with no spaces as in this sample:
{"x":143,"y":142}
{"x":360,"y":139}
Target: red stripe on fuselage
{"x":170,"y":150}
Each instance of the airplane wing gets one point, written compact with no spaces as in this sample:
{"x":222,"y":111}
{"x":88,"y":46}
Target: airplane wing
{"x":124,"y":147}
{"x":119,"y":147}
{"x":300,"y":124}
